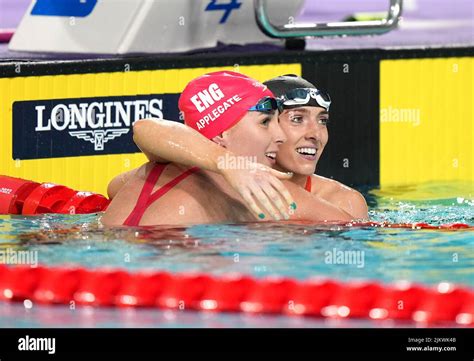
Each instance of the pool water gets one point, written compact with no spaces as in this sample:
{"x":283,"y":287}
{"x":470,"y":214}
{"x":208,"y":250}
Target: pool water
{"x":299,"y":251}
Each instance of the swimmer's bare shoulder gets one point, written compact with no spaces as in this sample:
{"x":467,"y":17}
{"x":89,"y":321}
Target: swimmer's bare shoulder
{"x":119,"y":181}
{"x":340,"y":195}
{"x":121,"y":191}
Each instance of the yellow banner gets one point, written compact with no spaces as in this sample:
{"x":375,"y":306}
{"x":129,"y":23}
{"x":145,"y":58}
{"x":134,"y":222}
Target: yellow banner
{"x":426,"y":120}
{"x":92,"y":173}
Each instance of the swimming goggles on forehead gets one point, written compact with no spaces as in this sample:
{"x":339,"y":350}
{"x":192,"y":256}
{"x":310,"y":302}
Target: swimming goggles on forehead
{"x":267,"y":105}
{"x":306,"y":96}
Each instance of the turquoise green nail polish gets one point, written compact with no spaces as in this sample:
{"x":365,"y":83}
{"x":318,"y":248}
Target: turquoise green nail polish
{"x":293,"y":205}
{"x":261,"y":216}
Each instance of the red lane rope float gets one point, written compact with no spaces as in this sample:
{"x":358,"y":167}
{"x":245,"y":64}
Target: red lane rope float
{"x":84,"y":202}
{"x":47,"y":198}
{"x":374,"y":224}
{"x":20,"y":196}
{"x":448,"y":226}
{"x":404,"y":301}
{"x":13,"y":192}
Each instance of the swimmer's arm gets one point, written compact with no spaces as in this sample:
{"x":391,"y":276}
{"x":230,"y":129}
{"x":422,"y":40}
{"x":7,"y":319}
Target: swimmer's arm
{"x":311,"y":207}
{"x":141,"y":140}
{"x":166,"y":141}
{"x":175,"y":142}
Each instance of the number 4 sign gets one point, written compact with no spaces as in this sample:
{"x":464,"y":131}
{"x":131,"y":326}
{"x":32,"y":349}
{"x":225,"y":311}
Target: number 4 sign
{"x":227,"y":7}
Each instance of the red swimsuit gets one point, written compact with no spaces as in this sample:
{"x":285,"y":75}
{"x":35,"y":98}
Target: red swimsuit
{"x":147,"y":197}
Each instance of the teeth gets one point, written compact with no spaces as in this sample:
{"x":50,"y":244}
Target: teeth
{"x":271,"y":155}
{"x":308,"y":151}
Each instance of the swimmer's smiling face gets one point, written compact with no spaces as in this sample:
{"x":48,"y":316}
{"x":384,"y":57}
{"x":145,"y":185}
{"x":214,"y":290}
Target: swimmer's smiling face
{"x":257,"y":135}
{"x":306,"y":136}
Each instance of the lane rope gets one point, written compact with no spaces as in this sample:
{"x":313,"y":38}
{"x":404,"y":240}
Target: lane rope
{"x":324,"y":298}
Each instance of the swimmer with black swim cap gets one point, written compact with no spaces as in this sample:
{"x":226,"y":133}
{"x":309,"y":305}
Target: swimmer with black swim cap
{"x":304,"y":120}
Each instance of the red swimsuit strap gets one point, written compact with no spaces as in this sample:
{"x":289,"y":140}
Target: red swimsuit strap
{"x":134,"y":218}
{"x":307,"y":186}
{"x":147,"y":197}
{"x":168,"y":186}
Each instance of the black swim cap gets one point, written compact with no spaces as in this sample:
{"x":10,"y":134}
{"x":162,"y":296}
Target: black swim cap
{"x":282,"y":84}
{"x":294,"y":91}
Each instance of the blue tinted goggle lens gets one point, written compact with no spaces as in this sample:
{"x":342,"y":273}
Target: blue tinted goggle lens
{"x":267,"y":104}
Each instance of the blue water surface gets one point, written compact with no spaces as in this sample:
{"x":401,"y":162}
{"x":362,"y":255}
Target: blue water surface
{"x":258,"y":249}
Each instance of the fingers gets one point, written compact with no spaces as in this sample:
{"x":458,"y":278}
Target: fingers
{"x":262,"y":189}
{"x":263,"y":198}
{"x":281,"y":175}
{"x":265,"y":202}
{"x":277,"y":201}
{"x":278,"y":185}
{"x":247,"y":196}
{"x":270,"y":193}
{"x":281,"y":189}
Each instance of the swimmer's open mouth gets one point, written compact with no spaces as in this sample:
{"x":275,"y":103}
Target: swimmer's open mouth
{"x":308,"y":153}
{"x":271,"y":155}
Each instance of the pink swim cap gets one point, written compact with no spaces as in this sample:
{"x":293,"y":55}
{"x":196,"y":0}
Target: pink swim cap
{"x":215,"y":102}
